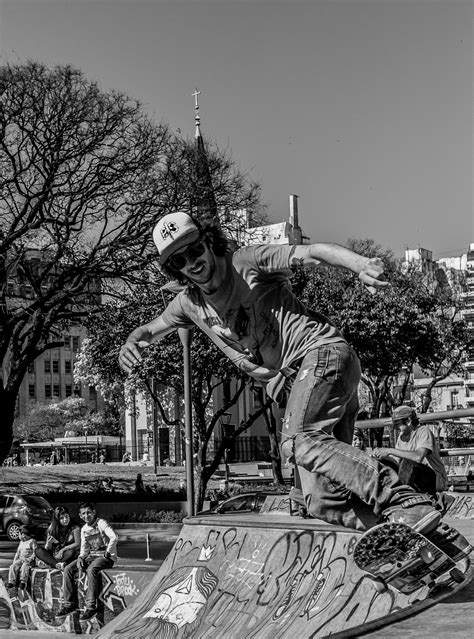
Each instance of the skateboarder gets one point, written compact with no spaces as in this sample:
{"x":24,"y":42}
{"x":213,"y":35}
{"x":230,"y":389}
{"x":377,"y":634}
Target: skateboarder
{"x":242,"y":300}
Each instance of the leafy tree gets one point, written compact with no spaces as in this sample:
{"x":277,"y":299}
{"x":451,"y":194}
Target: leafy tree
{"x":45,"y":422}
{"x":408,"y":323}
{"x":84,"y":175}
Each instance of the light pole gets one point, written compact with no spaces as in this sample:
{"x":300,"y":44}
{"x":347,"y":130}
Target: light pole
{"x":86,"y":428}
{"x":185,"y":337}
{"x":225,"y":421}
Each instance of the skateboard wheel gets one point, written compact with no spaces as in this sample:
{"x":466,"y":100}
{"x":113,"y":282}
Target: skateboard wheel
{"x":426,"y":555}
{"x":456,"y":575}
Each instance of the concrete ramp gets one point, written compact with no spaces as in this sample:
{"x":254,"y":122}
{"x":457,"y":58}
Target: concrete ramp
{"x":262,"y":576}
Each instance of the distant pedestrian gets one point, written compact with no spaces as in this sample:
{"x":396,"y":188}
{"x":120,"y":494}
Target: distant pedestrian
{"x":23,"y":560}
{"x":102,"y":458}
{"x":126,"y":458}
{"x":139,"y":485}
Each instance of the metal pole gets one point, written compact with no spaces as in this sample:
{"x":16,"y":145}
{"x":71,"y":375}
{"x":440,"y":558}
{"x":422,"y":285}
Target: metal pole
{"x":185,"y":337}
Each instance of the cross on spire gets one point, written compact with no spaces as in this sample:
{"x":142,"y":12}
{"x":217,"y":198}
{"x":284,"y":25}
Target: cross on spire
{"x":196,"y":94}
{"x":197,"y":117}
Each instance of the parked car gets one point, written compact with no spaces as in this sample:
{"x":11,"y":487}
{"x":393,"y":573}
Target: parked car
{"x":250,"y":502}
{"x":17,"y":510}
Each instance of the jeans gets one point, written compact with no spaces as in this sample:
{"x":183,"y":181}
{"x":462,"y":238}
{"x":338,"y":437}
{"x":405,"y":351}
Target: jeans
{"x":21,"y":568}
{"x":51,"y":560}
{"x":340,"y":484}
{"x":94,"y":566}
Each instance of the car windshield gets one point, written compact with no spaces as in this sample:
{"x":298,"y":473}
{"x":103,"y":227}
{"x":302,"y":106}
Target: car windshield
{"x":36,"y":502}
{"x":243,"y":502}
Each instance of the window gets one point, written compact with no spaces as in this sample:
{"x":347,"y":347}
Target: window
{"x":55,"y":366}
{"x":77,"y":390}
{"x":67,"y":342}
{"x":67,"y":366}
{"x":75,"y":344}
{"x":47,"y":366}
{"x":56,"y":390}
{"x":31,"y":390}
{"x":68,"y":390}
{"x":47,"y":391}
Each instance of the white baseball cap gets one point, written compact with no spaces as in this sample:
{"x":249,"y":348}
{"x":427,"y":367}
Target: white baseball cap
{"x":174,"y":231}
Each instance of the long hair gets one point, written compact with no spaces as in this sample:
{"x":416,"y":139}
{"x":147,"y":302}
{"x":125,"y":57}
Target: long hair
{"x":58,"y":531}
{"x":211,"y":233}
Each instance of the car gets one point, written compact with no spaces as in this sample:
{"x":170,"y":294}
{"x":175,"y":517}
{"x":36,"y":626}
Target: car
{"x":249,"y":502}
{"x":20,"y":509}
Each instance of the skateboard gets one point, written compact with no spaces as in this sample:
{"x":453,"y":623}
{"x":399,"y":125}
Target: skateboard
{"x":396,"y":555}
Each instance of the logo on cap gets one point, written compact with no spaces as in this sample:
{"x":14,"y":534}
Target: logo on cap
{"x":169,"y":228}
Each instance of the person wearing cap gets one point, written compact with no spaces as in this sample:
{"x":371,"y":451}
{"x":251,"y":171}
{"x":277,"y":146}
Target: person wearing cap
{"x":242,"y":300}
{"x":420,"y":464}
{"x":23,"y":560}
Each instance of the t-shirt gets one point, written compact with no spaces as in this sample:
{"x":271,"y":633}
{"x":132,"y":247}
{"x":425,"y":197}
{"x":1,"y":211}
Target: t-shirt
{"x":422,"y":437}
{"x":254,"y":317}
{"x":54,"y":544}
{"x":97,"y":538}
{"x":26,"y":550}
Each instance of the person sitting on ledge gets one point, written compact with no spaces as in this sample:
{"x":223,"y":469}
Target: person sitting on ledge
{"x":417,"y":453}
{"x":23,"y":560}
{"x":98,"y":552}
{"x":242,"y":300}
{"x":63,"y":540}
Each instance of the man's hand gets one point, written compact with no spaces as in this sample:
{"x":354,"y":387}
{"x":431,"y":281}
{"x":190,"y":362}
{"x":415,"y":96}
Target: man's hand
{"x":130,"y":354}
{"x":81,"y":564}
{"x":371,"y":274}
{"x":107,"y":555}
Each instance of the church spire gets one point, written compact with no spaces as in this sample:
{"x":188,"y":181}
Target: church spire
{"x":204,"y":202}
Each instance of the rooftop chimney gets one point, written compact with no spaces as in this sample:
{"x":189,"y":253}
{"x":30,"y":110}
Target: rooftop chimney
{"x":294,"y":211}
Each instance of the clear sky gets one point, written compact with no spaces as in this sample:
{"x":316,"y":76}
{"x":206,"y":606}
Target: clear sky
{"x":364,"y":108}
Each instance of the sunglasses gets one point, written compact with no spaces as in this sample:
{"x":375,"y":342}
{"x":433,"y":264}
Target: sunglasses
{"x":178,"y":262}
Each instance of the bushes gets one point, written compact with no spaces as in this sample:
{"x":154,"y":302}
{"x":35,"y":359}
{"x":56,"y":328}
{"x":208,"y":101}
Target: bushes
{"x":150,"y":517}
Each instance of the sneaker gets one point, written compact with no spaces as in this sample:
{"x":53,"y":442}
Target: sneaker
{"x":64,"y":611}
{"x":88,"y":614}
{"x":414,"y":510}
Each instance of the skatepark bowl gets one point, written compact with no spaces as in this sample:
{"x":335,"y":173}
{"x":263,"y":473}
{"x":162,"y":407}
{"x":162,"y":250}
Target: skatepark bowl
{"x":256,"y":576}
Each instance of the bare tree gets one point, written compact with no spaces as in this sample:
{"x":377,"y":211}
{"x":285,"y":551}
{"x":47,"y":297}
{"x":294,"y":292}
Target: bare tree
{"x":84,"y":176}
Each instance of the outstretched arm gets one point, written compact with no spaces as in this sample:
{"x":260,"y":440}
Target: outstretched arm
{"x":369,"y":269}
{"x":139,"y":339}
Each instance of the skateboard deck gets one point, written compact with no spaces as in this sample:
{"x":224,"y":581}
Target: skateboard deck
{"x":398,"y":556}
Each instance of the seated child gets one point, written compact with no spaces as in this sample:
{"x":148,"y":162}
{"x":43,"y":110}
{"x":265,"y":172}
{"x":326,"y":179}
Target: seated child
{"x":23,"y":560}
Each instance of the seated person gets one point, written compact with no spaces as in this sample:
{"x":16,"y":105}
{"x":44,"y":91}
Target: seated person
{"x":63,"y":540}
{"x":98,"y":552}
{"x":420,"y":464}
{"x":23,"y":560}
